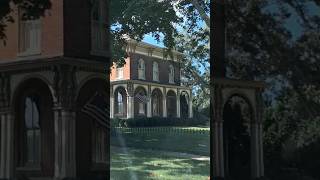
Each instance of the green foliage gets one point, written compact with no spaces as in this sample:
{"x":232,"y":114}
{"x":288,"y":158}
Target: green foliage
{"x":137,"y":18}
{"x":291,"y":137}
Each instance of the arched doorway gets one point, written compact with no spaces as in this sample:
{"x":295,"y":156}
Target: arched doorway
{"x":184,"y":105}
{"x":120,"y":102}
{"x":140,"y":102}
{"x":92,"y":132}
{"x":171,"y":104}
{"x":237,"y":117}
{"x":34,"y":129}
{"x":156,"y":102}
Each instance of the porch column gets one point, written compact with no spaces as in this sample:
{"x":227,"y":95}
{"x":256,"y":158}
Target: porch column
{"x":217,"y":133}
{"x":164,"y":103}
{"x":130,"y":108}
{"x":178,"y":104}
{"x":149,"y":114}
{"x":111,"y":106}
{"x":149,"y":107}
{"x":65,"y":152}
{"x":190,"y":106}
{"x":7,"y":149}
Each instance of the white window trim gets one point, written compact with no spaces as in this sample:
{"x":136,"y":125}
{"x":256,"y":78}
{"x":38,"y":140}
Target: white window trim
{"x":171,"y":74}
{"x":119,"y":73}
{"x":142,"y":70}
{"x":34,"y":37}
{"x":155,"y":71}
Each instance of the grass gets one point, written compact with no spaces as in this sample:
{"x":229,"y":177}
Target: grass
{"x":168,"y":140}
{"x":138,"y":164}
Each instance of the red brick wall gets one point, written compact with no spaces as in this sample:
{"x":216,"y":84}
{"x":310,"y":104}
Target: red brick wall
{"x":126,"y":71}
{"x":66,"y":30}
{"x":10,"y":50}
{"x":51,"y":37}
{"x":163,"y":68}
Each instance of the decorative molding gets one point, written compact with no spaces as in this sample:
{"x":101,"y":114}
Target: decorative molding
{"x":4,"y":90}
{"x":65,"y":85}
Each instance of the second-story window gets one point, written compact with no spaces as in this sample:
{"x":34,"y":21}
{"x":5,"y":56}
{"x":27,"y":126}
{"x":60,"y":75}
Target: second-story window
{"x":99,"y":29}
{"x":171,"y":74}
{"x":29,"y":36}
{"x":155,"y":69}
{"x":141,"y":69}
{"x":119,"y":73}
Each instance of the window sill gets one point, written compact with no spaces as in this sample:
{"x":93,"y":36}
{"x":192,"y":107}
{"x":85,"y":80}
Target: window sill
{"x":29,"y":53}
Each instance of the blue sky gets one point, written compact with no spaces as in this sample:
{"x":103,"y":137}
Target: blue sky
{"x":150,"y":39}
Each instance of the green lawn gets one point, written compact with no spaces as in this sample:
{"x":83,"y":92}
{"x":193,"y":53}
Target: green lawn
{"x":138,"y":164}
{"x":192,"y":140}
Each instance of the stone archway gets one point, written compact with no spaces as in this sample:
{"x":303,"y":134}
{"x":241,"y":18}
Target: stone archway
{"x":140,"y":102}
{"x":171,"y":104}
{"x":34,"y":133}
{"x":156,"y":102}
{"x":184,"y":104}
{"x":120,"y":102}
{"x":90,"y":132}
{"x":237,"y":117}
{"x":231,"y":118}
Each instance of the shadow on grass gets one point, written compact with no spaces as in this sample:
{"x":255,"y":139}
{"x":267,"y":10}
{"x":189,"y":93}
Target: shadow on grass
{"x":142,"y":164}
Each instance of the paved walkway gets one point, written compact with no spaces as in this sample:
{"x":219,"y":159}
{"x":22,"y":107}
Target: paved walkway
{"x":169,"y":153}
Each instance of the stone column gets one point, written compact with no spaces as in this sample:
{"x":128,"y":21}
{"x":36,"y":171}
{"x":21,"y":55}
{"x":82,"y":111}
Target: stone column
{"x":65,"y":152}
{"x":130,"y":106}
{"x":149,"y":100}
{"x":111,"y":106}
{"x":7,"y":149}
{"x":149,"y":107}
{"x":217,"y":144}
{"x":164,"y":103}
{"x":190,"y":106}
{"x":178,"y":104}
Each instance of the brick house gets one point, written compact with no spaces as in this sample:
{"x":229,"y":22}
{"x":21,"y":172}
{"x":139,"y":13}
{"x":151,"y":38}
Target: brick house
{"x":49,"y":69}
{"x":149,"y":84}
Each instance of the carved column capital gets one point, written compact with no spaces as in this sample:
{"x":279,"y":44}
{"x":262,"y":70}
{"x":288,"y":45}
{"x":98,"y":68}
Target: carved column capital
{"x":4,"y":91}
{"x":65,"y":85}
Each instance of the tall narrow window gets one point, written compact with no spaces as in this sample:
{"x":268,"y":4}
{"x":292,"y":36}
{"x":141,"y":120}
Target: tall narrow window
{"x":99,"y":26}
{"x":120,"y":103}
{"x":29,"y":36}
{"x":32,"y":127}
{"x":155,"y":71}
{"x":171,"y":74}
{"x":119,"y":73}
{"x":141,"y":69}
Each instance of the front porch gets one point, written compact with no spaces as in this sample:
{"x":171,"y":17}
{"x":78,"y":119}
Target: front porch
{"x":135,"y":98}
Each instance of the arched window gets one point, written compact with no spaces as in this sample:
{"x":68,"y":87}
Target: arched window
{"x":32,"y":130}
{"x":155,"y":70}
{"x":141,"y":69}
{"x":120,"y":103}
{"x":171,"y":74}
